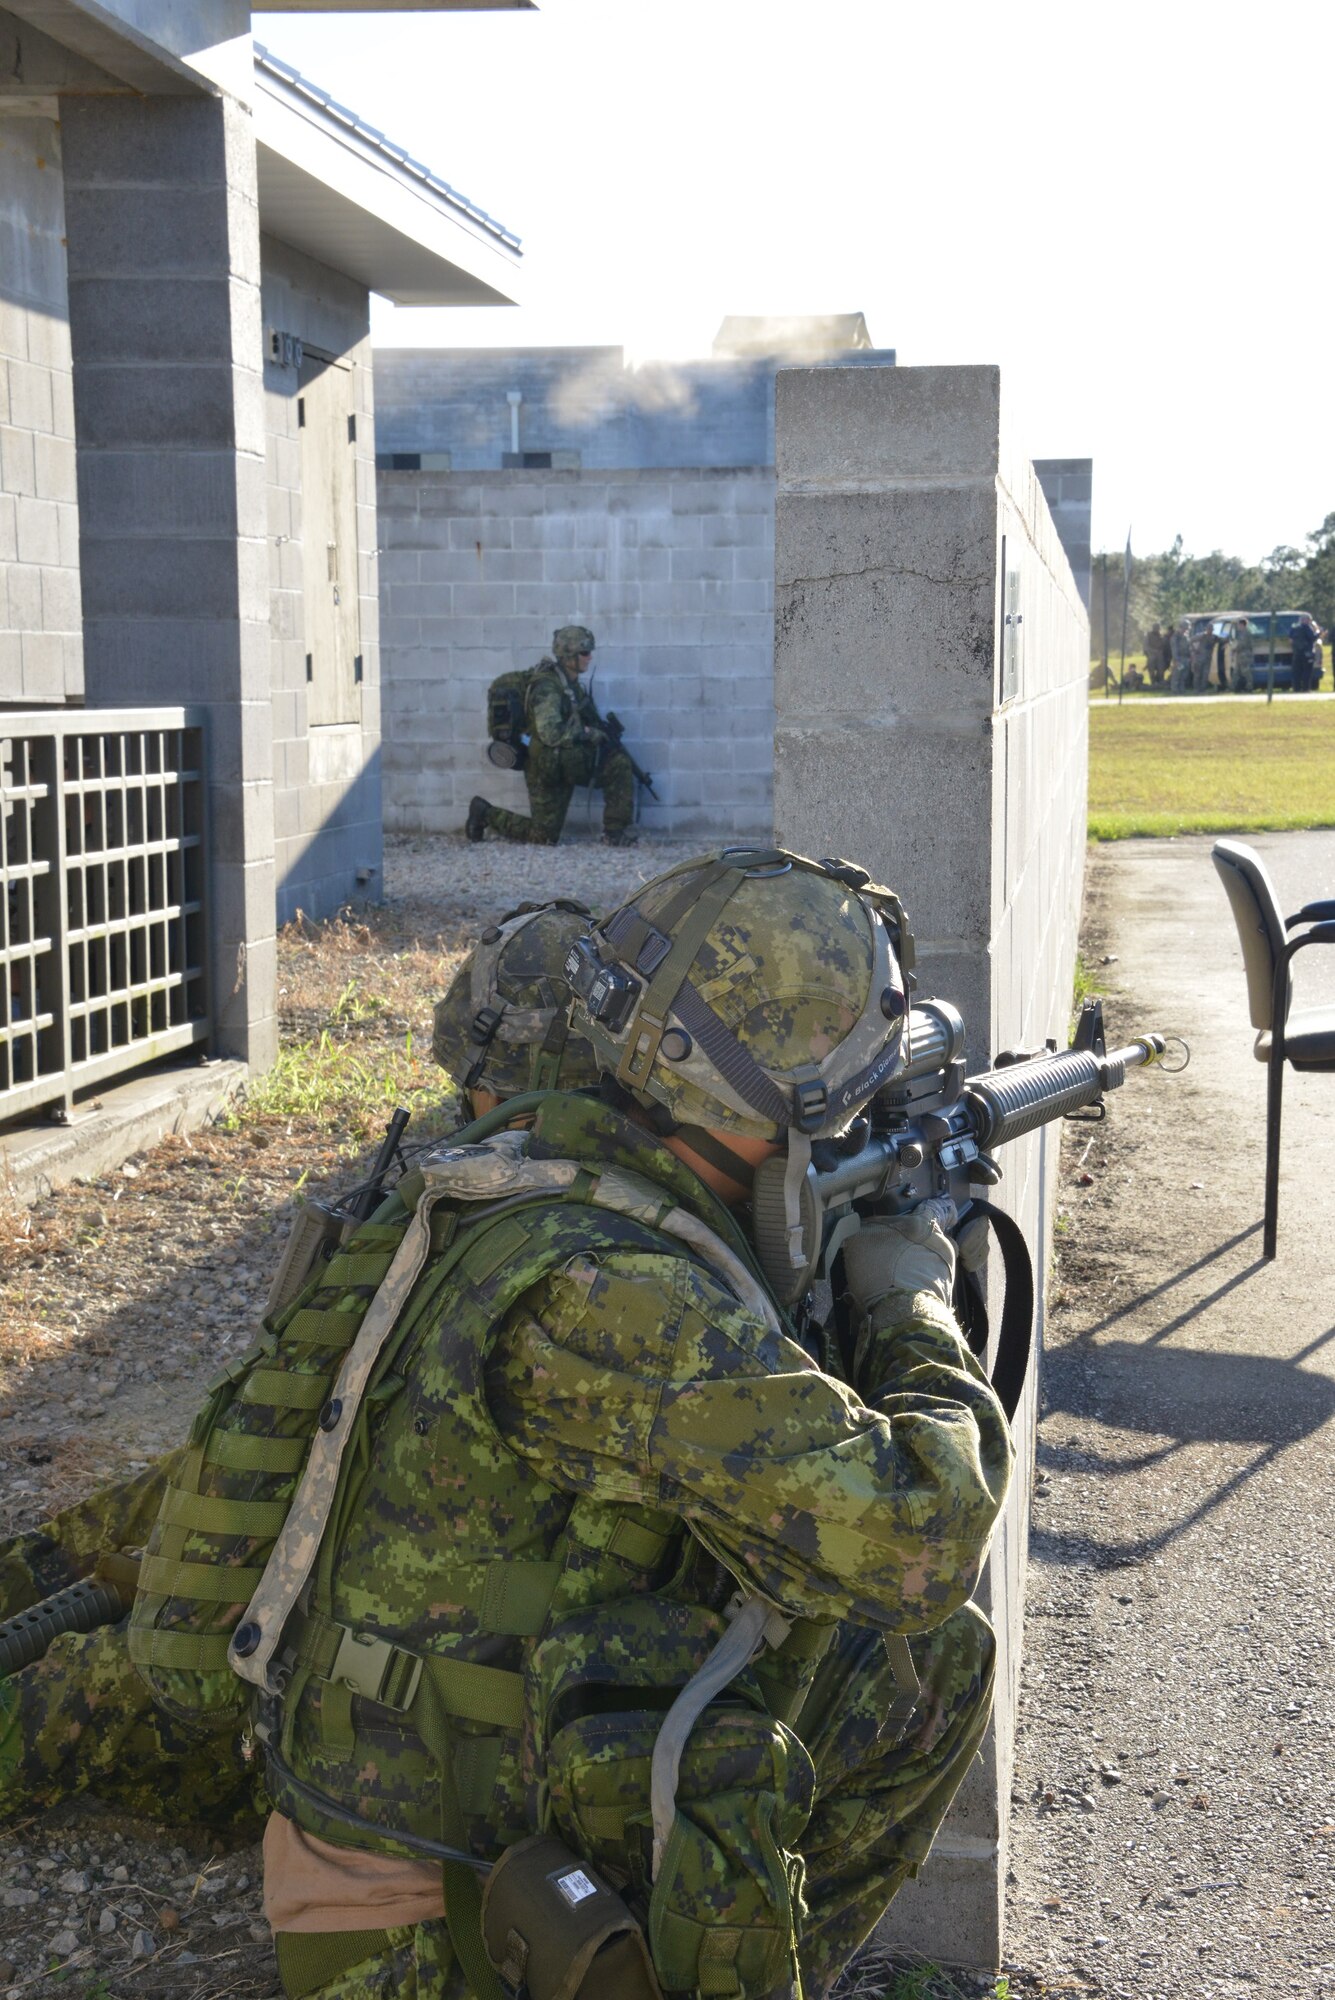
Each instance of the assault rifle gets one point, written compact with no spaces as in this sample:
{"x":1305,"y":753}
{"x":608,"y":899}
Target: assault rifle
{"x":614,"y":730}
{"x":930,"y":1136}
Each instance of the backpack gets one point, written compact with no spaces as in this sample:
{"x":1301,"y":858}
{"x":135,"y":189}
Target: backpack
{"x":507,"y":715}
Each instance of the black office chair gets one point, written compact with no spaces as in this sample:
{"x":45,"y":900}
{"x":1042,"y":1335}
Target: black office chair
{"x":1306,"y":1040}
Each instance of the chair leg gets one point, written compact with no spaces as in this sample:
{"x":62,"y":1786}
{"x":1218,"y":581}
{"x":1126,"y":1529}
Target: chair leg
{"x":1273,"y":1107}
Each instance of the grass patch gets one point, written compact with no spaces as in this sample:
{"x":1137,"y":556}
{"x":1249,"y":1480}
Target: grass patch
{"x":329,"y":1085}
{"x":1211,"y":767}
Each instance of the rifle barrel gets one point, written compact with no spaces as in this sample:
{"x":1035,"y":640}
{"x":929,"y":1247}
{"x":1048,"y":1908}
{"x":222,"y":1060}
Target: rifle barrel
{"x":1010,"y":1102}
{"x":1001,"y":1105}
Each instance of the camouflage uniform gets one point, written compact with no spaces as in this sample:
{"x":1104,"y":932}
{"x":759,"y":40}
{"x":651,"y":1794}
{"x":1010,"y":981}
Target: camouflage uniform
{"x":81,"y":1717}
{"x":626,"y":1386}
{"x":1241,"y":653}
{"x":1180,"y":645}
{"x":566,"y":748}
{"x":883,"y":1789}
{"x":1202,"y":652}
{"x":636,"y":1381}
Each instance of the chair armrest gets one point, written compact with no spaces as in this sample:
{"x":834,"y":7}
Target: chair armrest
{"x":1311,"y":913}
{"x":1288,"y":951}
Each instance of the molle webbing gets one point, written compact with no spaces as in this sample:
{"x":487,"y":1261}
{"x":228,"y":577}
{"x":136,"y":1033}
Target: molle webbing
{"x":232,"y":1490}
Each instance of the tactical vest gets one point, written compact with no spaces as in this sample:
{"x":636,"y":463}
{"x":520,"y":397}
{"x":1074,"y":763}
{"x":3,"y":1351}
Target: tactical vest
{"x":462,"y":1626}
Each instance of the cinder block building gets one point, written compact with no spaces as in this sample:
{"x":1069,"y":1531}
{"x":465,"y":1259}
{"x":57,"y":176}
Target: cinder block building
{"x":524,"y":488}
{"x":189,"y":649}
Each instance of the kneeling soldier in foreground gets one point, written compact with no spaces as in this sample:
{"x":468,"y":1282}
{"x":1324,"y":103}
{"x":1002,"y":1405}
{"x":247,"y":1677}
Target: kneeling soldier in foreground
{"x":498,"y":1481}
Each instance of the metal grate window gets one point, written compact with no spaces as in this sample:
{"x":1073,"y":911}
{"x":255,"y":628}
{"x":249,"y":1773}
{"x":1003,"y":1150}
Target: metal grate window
{"x":102,"y":865}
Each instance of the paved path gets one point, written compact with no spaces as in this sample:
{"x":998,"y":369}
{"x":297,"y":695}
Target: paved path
{"x":1174,"y":1830}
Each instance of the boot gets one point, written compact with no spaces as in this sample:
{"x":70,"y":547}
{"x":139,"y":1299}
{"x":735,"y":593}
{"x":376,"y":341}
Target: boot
{"x":475,"y":826}
{"x":621,"y":836}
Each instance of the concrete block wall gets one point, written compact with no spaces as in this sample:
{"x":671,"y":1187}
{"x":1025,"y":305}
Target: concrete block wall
{"x":673,"y":575}
{"x":1068,"y":488}
{"x":903,"y":742}
{"x":164,"y":277}
{"x":41,"y":642}
{"x":663,"y":415}
{"x":328,"y":843}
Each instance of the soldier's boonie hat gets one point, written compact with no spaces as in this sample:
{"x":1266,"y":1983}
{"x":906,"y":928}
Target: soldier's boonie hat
{"x":504,"y":1024}
{"x":751,"y":991}
{"x":569,"y":640}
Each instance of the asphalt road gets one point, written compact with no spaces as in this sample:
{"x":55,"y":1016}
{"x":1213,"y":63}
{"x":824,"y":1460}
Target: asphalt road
{"x":1174,"y":1817}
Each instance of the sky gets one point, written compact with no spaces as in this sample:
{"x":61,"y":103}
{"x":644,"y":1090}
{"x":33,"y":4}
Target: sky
{"x":1125,"y":207}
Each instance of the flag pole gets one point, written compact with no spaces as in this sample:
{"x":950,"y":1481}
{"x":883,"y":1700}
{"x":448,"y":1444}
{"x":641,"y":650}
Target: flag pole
{"x":1126,"y":594}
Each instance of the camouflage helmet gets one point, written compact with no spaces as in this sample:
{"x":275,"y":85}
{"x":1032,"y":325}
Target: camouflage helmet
{"x":752,"y":991}
{"x":568,"y":641}
{"x":503,"y":1026}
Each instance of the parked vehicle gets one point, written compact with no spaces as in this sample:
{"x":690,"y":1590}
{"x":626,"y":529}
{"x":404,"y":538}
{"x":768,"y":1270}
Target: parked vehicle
{"x":1221,"y":623}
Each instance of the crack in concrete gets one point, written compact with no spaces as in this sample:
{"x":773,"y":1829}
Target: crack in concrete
{"x":878,"y":569}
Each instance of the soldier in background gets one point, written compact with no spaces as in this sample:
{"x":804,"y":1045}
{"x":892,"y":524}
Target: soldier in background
{"x":1156,"y":655}
{"x":568,"y":746}
{"x":1180,"y":650}
{"x":1241,"y":653}
{"x":1306,"y":675}
{"x":1202,"y":652}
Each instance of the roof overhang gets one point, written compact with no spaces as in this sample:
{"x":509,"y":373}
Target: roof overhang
{"x":340,"y":191}
{"x":121,"y":55}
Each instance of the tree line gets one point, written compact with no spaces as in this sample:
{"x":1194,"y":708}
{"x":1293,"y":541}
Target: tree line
{"x":1163,"y":588}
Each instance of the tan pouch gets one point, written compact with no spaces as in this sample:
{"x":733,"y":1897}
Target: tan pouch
{"x":555,"y":1931}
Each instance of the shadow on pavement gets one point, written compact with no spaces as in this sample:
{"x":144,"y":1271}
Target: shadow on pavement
{"x":1179,"y":1278}
{"x":1187,"y":1397}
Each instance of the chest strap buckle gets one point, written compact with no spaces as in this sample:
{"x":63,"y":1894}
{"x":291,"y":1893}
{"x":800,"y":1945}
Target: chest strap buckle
{"x":376,"y":1669}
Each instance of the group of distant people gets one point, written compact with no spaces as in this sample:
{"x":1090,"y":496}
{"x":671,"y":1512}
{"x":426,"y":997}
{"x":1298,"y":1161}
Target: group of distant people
{"x":1183,"y":660}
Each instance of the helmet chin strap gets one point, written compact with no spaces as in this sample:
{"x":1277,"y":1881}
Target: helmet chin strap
{"x":714,"y":1153}
{"x":799,"y":1159}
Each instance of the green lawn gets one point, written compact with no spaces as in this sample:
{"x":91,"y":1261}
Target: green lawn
{"x":1210,"y":766}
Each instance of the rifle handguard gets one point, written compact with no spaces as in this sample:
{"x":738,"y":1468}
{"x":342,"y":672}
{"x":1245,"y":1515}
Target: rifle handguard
{"x":1014,"y":1101}
{"x":103,"y":1598}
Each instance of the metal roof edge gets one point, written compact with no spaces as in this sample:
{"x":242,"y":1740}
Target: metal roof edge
{"x":347,"y":125}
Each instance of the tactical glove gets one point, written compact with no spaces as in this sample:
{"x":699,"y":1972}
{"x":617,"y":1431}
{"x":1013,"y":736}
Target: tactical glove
{"x":899,"y":1253}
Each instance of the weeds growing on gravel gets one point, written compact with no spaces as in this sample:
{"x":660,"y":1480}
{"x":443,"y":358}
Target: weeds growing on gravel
{"x":345,"y":1087}
{"x":882,"y":1975}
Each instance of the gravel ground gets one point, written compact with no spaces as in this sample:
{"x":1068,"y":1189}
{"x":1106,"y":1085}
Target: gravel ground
{"x":1173,"y":1830}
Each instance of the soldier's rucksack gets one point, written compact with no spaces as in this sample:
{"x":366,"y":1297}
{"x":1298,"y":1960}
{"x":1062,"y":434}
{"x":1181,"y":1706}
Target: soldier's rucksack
{"x":507,"y":715}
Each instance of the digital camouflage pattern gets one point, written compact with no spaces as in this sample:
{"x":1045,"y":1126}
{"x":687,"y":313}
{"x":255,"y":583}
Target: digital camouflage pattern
{"x":81,"y":1717}
{"x":569,"y":641}
{"x":603,"y":1389}
{"x":786,"y":965}
{"x":884,"y":1780}
{"x":65,"y":1548}
{"x":566,"y":748}
{"x":503,"y":1026}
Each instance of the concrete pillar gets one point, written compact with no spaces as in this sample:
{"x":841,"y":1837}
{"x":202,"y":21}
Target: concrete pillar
{"x":922,"y":735}
{"x":164,"y":281}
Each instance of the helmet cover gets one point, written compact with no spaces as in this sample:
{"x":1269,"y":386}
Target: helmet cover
{"x":503,"y":1026}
